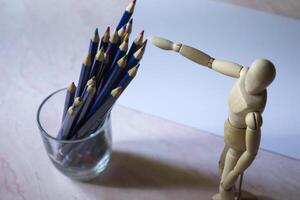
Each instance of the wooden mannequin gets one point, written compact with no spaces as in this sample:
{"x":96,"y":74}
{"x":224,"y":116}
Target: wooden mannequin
{"x":247,"y":100}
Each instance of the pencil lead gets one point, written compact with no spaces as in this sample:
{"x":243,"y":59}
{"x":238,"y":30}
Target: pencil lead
{"x":96,"y":37}
{"x":116,"y":92}
{"x":130,"y":21}
{"x":134,"y":1}
{"x":107,"y":29}
{"x":144,"y":44}
{"x":142,"y":32}
{"x":72,"y":87}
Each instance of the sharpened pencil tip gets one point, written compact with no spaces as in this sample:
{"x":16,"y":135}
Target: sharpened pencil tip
{"x":72,"y":87}
{"x":107,"y":29}
{"x":96,"y":31}
{"x":77,"y":101}
{"x":100,"y":54}
{"x":116,"y":92}
{"x":142,"y":32}
{"x":123,"y":61}
{"x":87,"y":61}
{"x":132,"y":72}
{"x":134,"y":1}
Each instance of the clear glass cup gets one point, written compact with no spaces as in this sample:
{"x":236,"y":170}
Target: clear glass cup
{"x":82,"y":159}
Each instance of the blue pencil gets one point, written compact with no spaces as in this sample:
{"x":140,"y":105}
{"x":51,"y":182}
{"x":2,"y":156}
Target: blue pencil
{"x":127,"y":78}
{"x":97,"y":63}
{"x":121,"y":33}
{"x":108,"y":84}
{"x":91,"y":81}
{"x":126,"y":15}
{"x":94,"y":45}
{"x":70,"y":94}
{"x":137,"y":43}
{"x":129,"y":27}
{"x":84,"y":75}
{"x":105,"y":39}
{"x":69,"y":120}
{"x":121,"y":52}
{"x":112,"y":47}
{"x":95,"y":120}
{"x":87,"y":102}
{"x":136,"y":57}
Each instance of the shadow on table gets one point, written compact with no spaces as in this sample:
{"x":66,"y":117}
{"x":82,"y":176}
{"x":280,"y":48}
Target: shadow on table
{"x":130,"y":170}
{"x":264,"y":198}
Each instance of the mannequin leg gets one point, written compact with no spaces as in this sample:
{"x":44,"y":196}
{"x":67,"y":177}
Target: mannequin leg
{"x":231,"y":159}
{"x":222,"y":159}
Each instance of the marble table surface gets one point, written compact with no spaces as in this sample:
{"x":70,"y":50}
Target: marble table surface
{"x":152,"y":158}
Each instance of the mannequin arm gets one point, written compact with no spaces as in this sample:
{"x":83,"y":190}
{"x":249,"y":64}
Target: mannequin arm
{"x":225,"y":67}
{"x":254,"y":122}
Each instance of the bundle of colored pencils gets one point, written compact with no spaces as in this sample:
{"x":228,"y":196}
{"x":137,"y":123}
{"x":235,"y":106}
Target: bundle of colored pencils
{"x":106,"y":71}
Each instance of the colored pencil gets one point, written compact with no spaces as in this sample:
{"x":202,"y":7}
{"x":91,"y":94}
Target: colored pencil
{"x":69,"y":119}
{"x":96,"y":119}
{"x":128,"y":77}
{"x":121,"y":52}
{"x":136,"y":57}
{"x":108,"y":84}
{"x":94,"y":45}
{"x":127,"y":14}
{"x":70,"y":94}
{"x":87,"y":99}
{"x":121,"y":33}
{"x":84,"y":75}
{"x":105,"y":39}
{"x":129,"y":27}
{"x":97,"y":62}
{"x":137,"y":43}
{"x":112,"y":48}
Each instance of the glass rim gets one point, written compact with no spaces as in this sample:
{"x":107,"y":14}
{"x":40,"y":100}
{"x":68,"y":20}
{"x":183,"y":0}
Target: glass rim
{"x":46,"y":134}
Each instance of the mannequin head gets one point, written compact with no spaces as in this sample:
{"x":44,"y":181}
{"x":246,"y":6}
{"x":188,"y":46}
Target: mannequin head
{"x":260,"y":75}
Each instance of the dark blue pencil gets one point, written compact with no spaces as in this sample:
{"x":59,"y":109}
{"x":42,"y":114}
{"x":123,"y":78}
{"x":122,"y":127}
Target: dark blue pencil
{"x":136,"y":57}
{"x":112,"y":48}
{"x":129,"y":27}
{"x":108,"y":84}
{"x":121,"y":52}
{"x":102,"y":70}
{"x":84,"y":75}
{"x":97,"y":63}
{"x":96,"y":119}
{"x":127,"y":14}
{"x":127,"y":78}
{"x":137,"y":43}
{"x":70,"y":94}
{"x":121,"y":33}
{"x":69,"y":120}
{"x":105,"y":39}
{"x":94,"y":45}
{"x":91,"y":81}
{"x":87,"y":102}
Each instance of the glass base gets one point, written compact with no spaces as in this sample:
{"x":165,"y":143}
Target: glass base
{"x":80,"y":173}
